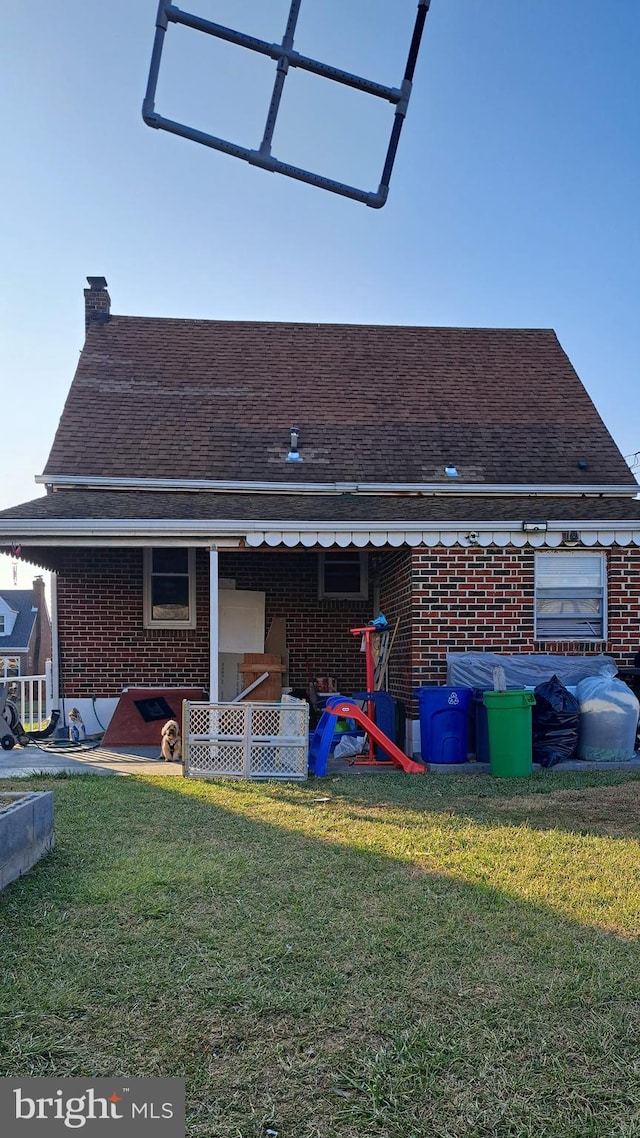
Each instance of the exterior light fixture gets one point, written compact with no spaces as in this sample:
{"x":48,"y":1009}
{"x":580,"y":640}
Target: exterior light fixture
{"x":450,"y":470}
{"x":535,"y":527}
{"x":294,"y":455}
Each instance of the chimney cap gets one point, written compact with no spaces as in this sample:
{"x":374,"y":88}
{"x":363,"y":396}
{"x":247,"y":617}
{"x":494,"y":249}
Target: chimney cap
{"x":97,"y":283}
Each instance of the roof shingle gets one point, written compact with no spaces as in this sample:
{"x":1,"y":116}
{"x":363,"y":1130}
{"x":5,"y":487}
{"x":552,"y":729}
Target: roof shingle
{"x":89,"y":505}
{"x":21,"y":601}
{"x":214,"y":399}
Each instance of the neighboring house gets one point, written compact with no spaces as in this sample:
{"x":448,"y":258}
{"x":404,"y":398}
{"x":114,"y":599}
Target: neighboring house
{"x":25,"y":631}
{"x":459,"y":479}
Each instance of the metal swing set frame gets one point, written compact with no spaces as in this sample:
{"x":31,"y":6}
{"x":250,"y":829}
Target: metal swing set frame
{"x":285,"y":57}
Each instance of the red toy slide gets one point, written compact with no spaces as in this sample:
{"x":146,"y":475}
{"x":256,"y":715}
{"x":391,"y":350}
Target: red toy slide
{"x":347,"y":709}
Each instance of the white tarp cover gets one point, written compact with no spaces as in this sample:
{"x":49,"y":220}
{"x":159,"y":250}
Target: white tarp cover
{"x":608,"y":720}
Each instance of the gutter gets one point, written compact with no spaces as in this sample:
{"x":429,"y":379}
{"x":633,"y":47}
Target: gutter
{"x":204,"y":485}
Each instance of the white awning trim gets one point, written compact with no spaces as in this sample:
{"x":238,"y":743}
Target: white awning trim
{"x":431,"y":538}
{"x":230,"y":533}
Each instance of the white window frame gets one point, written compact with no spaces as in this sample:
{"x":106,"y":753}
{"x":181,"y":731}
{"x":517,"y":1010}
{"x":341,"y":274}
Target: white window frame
{"x":361,"y":594}
{"x":9,"y":617}
{"x":148,"y":619}
{"x":565,"y":558}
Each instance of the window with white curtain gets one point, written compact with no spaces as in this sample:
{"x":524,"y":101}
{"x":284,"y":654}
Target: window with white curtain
{"x":571,"y":596}
{"x":169,"y":588}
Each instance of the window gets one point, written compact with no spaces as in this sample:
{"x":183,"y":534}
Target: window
{"x":570,"y":596}
{"x":169,"y":588}
{"x":8,"y":617}
{"x":343,"y":576}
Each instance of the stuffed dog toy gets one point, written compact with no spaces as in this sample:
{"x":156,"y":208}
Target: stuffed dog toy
{"x":171,"y":746}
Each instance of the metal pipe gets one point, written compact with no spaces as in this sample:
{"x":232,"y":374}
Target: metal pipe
{"x":281,"y":75}
{"x":266,"y":162}
{"x":275,"y":51}
{"x":423,"y":8}
{"x":347,"y":78}
{"x":241,"y":39}
{"x":154,"y":68}
{"x":200,"y":136}
{"x":401,"y":112}
{"x":285,"y":57}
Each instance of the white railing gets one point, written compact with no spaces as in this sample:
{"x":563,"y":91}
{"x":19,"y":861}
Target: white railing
{"x":32,"y":697}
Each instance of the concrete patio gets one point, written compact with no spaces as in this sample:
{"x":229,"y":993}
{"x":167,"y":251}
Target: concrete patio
{"x":23,"y":762}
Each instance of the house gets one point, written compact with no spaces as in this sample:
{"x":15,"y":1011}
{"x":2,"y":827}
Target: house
{"x":25,"y":631}
{"x":209,"y":476}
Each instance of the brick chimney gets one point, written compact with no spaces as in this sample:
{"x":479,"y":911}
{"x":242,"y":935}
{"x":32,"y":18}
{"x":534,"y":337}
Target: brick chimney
{"x":38,"y":594}
{"x":97,"y":302}
{"x":40,"y":649}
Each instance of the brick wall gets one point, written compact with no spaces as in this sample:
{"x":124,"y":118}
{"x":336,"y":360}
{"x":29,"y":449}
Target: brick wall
{"x":469,"y":600}
{"x":623,"y":576}
{"x":475,"y":599}
{"x":104,"y":647}
{"x":447,"y":600}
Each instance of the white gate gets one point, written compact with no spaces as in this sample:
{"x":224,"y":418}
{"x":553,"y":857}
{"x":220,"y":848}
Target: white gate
{"x":246,"y":740}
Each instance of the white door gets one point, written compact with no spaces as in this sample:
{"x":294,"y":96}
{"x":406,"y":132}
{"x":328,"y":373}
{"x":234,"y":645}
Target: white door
{"x":241,"y":614}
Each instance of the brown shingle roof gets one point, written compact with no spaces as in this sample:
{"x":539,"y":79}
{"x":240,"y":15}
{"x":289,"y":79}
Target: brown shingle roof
{"x":215,"y":399}
{"x":147,"y":504}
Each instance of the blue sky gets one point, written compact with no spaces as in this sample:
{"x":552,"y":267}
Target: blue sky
{"x":514,"y":200}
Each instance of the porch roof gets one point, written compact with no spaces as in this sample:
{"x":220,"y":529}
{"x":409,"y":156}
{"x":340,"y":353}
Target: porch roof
{"x":90,"y":510}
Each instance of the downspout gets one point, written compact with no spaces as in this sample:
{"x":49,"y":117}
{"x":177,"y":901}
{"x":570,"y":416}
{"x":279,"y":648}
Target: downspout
{"x":214,"y":629}
{"x":55,"y":650}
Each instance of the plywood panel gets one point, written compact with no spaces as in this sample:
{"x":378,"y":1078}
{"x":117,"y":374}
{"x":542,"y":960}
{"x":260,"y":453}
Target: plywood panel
{"x":127,"y":728}
{"x":253,"y":666}
{"x":241,"y":621}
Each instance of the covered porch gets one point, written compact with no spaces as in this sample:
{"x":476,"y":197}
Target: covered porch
{"x":176,"y":617}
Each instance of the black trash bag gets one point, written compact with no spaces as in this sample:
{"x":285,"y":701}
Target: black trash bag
{"x":555,"y":720}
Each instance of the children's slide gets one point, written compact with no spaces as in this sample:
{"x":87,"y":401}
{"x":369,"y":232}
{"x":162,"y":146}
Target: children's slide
{"x":346,"y":709}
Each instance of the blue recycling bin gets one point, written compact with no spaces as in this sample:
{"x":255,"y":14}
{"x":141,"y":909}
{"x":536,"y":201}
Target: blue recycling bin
{"x":444,"y":723}
{"x":386,"y":719}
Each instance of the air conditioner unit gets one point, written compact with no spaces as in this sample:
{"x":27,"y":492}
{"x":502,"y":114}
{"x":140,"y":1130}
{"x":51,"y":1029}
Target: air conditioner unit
{"x":571,"y":537}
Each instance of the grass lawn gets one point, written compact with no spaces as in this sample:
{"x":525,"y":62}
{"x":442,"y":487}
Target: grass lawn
{"x":383,"y":956}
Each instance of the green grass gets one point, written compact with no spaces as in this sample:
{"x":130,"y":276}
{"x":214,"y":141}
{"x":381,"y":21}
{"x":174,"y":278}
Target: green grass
{"x":390,"y":956}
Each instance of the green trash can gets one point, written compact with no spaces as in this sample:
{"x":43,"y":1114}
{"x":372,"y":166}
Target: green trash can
{"x":509,"y":723}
